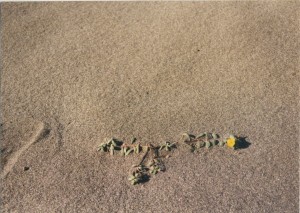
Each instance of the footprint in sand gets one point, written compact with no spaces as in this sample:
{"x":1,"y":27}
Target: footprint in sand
{"x":40,"y":133}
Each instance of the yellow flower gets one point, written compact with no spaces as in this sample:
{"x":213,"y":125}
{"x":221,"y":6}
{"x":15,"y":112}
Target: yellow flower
{"x":231,"y":142}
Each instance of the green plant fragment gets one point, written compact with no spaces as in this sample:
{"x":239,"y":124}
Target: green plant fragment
{"x":207,"y":144}
{"x":122,"y":152}
{"x":111,"y":149}
{"x":162,"y":147}
{"x":113,"y":142}
{"x":214,"y":142}
{"x":200,"y":135}
{"x":199,"y":144}
{"x":131,"y":177}
{"x":128,"y":152}
{"x":215,"y":136}
{"x":137,"y":149}
{"x":231,"y":136}
{"x":145,"y":148}
{"x":150,"y":163}
{"x":209,"y":135}
{"x":186,"y":137}
{"x":133,"y":140}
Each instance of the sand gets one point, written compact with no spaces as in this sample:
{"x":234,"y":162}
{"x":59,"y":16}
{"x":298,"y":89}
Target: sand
{"x":76,"y":73}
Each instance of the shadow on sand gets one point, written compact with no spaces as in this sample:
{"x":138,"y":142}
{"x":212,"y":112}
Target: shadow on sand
{"x":243,"y":143}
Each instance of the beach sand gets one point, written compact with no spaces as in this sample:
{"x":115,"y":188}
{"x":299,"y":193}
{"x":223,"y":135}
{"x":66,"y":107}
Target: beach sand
{"x":76,"y":73}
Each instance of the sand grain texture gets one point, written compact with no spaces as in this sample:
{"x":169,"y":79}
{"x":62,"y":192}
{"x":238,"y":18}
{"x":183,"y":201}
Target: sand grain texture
{"x":151,"y":70}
